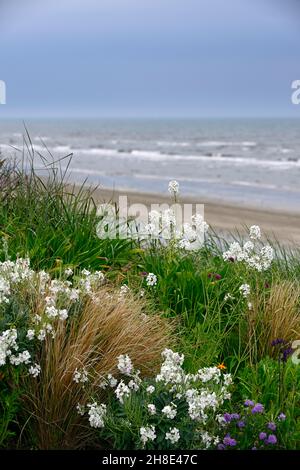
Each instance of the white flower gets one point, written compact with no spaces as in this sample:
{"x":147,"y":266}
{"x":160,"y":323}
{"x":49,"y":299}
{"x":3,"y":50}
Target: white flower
{"x":51,"y":311}
{"x":41,"y":335}
{"x":206,"y":439}
{"x":209,"y":373}
{"x":125,"y":365}
{"x":250,"y":305}
{"x":30,"y":334}
{"x":22,"y":358}
{"x":151,"y":409}
{"x":173,"y":187}
{"x":171,"y":370}
{"x":112,"y":381}
{"x":150,"y":389}
{"x":147,"y":434}
{"x":85,"y":272}
{"x":63,"y":314}
{"x":68,"y":272}
{"x":255,"y":232}
{"x":122,"y":391}
{"x":133,"y":385}
{"x":80,"y":376}
{"x":170,"y":411}
{"x":245,"y":290}
{"x":80,"y":409}
{"x":96,"y":415}
{"x":8,"y":342}
{"x":173,"y":435}
{"x":35,"y":370}
{"x":151,"y":280}
{"x":228,"y":296}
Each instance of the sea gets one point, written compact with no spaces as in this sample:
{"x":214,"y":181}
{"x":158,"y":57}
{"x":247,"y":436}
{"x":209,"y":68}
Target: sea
{"x":249,"y":162}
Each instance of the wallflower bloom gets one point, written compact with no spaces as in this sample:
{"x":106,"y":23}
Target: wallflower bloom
{"x":151,"y":409}
{"x":96,"y":415}
{"x":255,"y":232}
{"x":147,"y":434}
{"x":151,"y":280}
{"x":245,"y":290}
{"x":125,"y":365}
{"x":173,"y":187}
{"x":80,"y":376}
{"x":122,"y":391}
{"x":30,"y":335}
{"x":262,"y":436}
{"x":170,"y":411}
{"x":173,"y":435}
{"x":35,"y":370}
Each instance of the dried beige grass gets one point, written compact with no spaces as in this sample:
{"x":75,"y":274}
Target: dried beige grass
{"x":275,"y":314}
{"x":104,"y":329}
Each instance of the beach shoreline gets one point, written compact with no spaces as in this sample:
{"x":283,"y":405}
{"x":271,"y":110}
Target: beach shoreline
{"x":279,"y":225}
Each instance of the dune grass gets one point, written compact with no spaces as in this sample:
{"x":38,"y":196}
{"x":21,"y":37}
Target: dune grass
{"x":198,"y":293}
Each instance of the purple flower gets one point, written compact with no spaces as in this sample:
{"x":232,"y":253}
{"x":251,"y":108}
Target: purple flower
{"x":235,"y":416}
{"x":262,"y":436}
{"x":218,"y":276}
{"x":272,"y":426}
{"x":277,"y":341}
{"x":241,"y":424}
{"x":227,"y":417}
{"x":281,"y":417}
{"x":286,"y":354}
{"x":254,"y":448}
{"x":221,"y":447}
{"x":229,"y":441}
{"x":249,"y":403}
{"x":258,"y":408}
{"x":272,"y":439}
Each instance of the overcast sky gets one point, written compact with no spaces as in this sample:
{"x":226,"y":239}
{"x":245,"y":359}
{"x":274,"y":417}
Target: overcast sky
{"x":155,"y":58}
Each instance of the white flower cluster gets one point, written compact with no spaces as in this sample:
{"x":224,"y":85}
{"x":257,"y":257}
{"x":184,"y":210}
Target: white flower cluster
{"x":125,"y":365}
{"x":90,"y":281}
{"x":259,"y":258}
{"x":151,"y":280}
{"x":13,"y":273}
{"x":173,"y":435}
{"x":245,"y":290}
{"x":170,"y":411}
{"x":164,"y":226}
{"x":96,"y":414}
{"x":122,"y":391}
{"x":35,"y":370}
{"x":9,"y":351}
{"x":171,"y":370}
{"x":173,"y":187}
{"x":202,"y":394}
{"x":191,"y":237}
{"x":80,"y":376}
{"x":147,"y":434}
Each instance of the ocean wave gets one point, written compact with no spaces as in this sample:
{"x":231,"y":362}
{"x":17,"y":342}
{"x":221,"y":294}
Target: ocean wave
{"x":159,"y":156}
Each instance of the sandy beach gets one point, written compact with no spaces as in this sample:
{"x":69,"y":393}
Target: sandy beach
{"x":282,"y":226}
